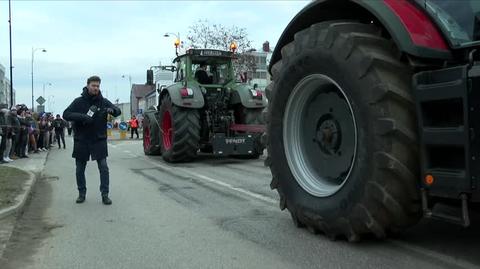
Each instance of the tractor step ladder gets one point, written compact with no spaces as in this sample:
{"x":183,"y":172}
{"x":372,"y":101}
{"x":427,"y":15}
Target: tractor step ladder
{"x":462,"y":219}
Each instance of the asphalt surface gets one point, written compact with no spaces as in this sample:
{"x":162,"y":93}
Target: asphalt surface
{"x":213,"y":213}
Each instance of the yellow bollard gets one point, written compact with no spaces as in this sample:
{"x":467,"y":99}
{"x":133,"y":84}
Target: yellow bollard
{"x":123,"y":135}
{"x":109,"y":133}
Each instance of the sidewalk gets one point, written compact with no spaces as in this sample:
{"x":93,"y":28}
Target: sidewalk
{"x":26,"y":171}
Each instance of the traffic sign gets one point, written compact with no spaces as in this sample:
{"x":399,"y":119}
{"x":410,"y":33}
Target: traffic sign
{"x":123,"y":126}
{"x":41,"y":100}
{"x":109,"y":125}
{"x":40,"y":109}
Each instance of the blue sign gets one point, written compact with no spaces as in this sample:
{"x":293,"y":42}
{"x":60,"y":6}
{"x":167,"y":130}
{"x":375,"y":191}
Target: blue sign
{"x":139,"y":111}
{"x":109,"y":125}
{"x":123,"y":126}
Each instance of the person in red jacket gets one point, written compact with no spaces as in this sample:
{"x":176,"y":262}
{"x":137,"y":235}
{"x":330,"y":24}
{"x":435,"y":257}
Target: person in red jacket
{"x":133,"y":126}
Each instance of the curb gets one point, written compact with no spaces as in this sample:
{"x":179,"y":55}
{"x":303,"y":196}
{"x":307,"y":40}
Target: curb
{"x":22,"y":198}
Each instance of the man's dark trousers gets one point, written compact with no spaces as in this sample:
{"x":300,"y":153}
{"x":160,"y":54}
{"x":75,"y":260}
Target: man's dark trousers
{"x":132,"y":131}
{"x":60,"y":135}
{"x":104,"y":176}
{"x":13,"y":150}
{"x":22,"y":143}
{"x":3,"y":143}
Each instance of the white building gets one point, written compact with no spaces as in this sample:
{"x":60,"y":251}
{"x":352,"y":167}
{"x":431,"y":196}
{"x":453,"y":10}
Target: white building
{"x":125,"y":108}
{"x":5,"y":88}
{"x":262,"y":60}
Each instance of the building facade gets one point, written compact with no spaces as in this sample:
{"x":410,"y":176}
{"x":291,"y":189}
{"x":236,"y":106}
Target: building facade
{"x":5,"y":88}
{"x":137,"y":97}
{"x":261,"y":77}
{"x":125,"y":108}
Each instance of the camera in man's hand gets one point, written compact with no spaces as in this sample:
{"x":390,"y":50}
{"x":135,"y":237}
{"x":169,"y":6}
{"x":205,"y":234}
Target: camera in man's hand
{"x":110,"y":111}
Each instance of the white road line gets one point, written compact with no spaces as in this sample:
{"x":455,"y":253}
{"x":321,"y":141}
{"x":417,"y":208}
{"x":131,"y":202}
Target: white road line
{"x":400,"y":244}
{"x":219,"y":183}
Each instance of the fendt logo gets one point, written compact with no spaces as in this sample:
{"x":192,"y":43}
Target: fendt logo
{"x":235,"y":140}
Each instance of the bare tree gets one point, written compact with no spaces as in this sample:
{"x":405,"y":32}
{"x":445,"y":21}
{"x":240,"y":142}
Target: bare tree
{"x":206,"y":35}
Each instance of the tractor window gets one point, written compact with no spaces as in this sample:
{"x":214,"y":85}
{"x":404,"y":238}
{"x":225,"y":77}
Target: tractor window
{"x":218,"y":73}
{"x":459,"y":19}
{"x":180,"y":71}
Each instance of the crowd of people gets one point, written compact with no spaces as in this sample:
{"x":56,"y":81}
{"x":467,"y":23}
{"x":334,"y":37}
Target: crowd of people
{"x":23,"y":132}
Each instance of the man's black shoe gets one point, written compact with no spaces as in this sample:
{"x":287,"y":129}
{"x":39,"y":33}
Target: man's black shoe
{"x":80,"y":199}
{"x":106,"y":200}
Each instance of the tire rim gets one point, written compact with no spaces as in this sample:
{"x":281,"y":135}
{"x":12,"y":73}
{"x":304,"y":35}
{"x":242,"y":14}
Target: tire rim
{"x":319,"y":135}
{"x":167,"y":129}
{"x":146,"y":138}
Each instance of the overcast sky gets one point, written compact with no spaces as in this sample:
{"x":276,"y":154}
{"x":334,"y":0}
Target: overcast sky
{"x":115,"y":38}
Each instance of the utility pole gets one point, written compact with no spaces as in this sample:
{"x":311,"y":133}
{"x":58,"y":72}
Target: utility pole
{"x":11,"y":65}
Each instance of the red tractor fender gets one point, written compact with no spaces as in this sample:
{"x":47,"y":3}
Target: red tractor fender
{"x":410,"y":27}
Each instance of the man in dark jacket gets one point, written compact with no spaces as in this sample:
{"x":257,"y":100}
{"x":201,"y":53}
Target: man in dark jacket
{"x":15,"y":131}
{"x":89,"y":114}
{"x":3,"y":132}
{"x":201,"y":75}
{"x":59,"y":124}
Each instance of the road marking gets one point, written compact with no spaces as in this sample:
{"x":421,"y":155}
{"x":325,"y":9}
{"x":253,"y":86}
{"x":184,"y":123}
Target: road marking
{"x":423,"y":251}
{"x":217,"y":182}
{"x":211,"y":180}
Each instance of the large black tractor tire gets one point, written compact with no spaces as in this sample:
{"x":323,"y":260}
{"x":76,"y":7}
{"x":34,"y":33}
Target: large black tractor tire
{"x":361,"y":93}
{"x":252,"y":116}
{"x":151,"y":136}
{"x":180,"y":131}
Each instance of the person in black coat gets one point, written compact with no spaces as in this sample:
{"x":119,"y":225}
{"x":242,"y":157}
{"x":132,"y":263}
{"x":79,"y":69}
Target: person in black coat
{"x":89,"y":114}
{"x":15,"y":131}
{"x":202,"y":76}
{"x":59,"y":124}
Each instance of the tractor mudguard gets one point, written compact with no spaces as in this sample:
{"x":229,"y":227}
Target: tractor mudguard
{"x":194,"y":101}
{"x":381,"y":10}
{"x":243,"y":94}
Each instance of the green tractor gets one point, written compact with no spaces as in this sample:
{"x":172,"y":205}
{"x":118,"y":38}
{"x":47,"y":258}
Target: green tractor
{"x":206,"y":110}
{"x":373,"y":115}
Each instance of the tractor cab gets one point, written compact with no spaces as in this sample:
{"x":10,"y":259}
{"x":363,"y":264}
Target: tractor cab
{"x":205,"y":66}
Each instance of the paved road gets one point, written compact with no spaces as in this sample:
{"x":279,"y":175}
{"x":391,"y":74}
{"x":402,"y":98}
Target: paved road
{"x":214,"y":213}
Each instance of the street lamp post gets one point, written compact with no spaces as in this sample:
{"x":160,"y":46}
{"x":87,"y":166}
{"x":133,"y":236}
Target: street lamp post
{"x":178,"y":42}
{"x":129,"y":80}
{"x":33,"y":57}
{"x":45,"y":84}
{"x":51,"y":103}
{"x":11,"y":65}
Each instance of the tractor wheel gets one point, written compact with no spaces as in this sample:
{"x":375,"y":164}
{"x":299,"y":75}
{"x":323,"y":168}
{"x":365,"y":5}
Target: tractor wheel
{"x":151,"y":145}
{"x":341,"y":132}
{"x":252,"y":116}
{"x":180,"y":131}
